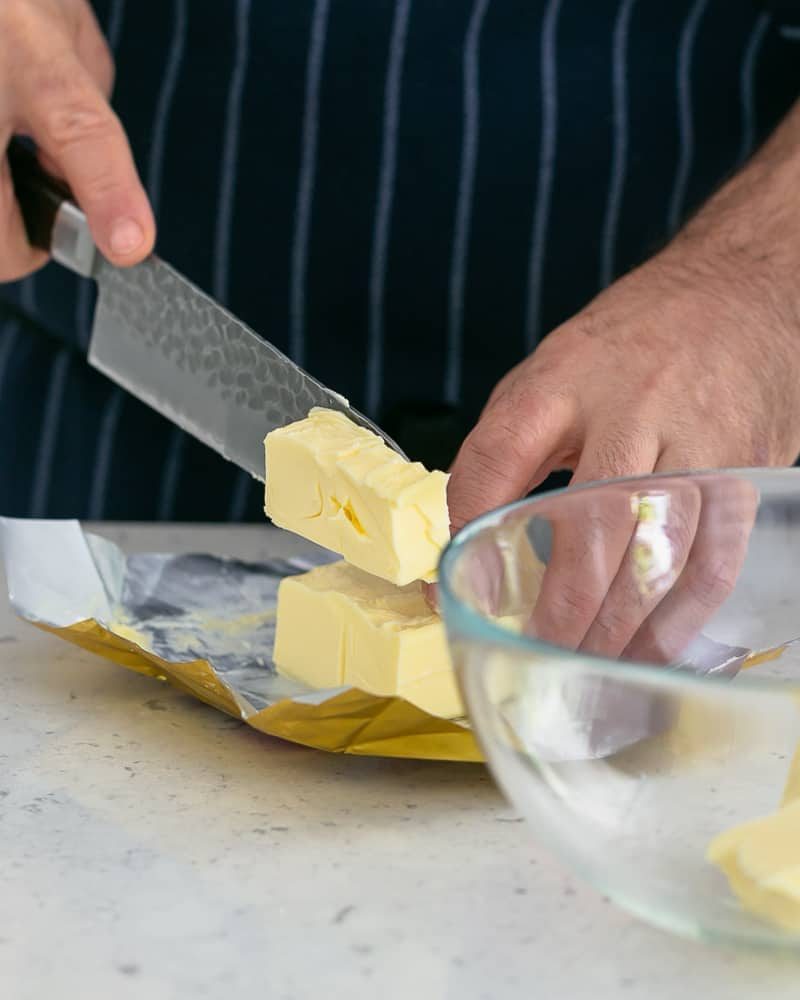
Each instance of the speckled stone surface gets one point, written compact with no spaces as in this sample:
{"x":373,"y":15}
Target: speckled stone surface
{"x":151,"y":847}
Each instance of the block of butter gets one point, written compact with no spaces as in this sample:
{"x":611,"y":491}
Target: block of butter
{"x":761,"y":860}
{"x":339,"y":626}
{"x":341,"y":486}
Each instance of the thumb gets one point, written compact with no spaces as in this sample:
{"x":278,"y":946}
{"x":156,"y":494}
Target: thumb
{"x":510,"y":450}
{"x":77,"y":130}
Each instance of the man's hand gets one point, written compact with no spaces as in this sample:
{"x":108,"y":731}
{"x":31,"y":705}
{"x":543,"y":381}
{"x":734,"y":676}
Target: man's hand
{"x":637,"y":574}
{"x":56,"y":75}
{"x":690,"y":361}
{"x":634,"y":570}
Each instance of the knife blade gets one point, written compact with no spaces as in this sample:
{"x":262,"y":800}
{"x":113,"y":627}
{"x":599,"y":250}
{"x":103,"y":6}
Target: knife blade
{"x":170,"y":344}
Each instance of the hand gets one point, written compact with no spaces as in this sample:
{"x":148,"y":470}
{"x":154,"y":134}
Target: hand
{"x":633,"y":570}
{"x":691,"y":361}
{"x":636,"y":573}
{"x":687,"y":363}
{"x":56,"y":75}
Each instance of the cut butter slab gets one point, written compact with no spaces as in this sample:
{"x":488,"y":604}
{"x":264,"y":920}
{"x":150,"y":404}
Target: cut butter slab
{"x":761,"y":860}
{"x":341,"y":486}
{"x":338,"y":626}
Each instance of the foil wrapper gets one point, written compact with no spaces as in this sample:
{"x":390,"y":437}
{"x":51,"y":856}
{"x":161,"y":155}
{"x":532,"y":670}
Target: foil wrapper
{"x":205,"y":625}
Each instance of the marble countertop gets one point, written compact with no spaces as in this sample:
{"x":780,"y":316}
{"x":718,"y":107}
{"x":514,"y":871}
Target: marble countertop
{"x":151,"y":847}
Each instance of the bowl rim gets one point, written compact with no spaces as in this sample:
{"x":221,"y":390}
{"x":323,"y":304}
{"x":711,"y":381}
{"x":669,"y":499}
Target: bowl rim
{"x":488,"y":631}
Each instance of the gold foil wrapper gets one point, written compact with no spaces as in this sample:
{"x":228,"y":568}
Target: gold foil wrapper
{"x":205,"y":625}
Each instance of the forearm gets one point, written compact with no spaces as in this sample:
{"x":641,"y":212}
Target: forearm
{"x":750,"y":229}
{"x":690,"y":361}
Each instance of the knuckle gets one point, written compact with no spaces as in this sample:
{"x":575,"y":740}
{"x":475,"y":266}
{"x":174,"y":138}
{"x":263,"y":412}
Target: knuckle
{"x":713,"y":581}
{"x":21,"y":31}
{"x":618,"y":453}
{"x":16,"y":19}
{"x":495,"y":446}
{"x":76,"y":118}
{"x":65,"y":104}
{"x":572,"y":604}
{"x":614,"y":629}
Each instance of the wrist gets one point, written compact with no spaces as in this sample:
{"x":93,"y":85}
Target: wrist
{"x":749,"y":231}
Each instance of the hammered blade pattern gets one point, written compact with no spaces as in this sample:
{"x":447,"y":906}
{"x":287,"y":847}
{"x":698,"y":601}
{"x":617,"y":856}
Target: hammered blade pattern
{"x":172,"y":346}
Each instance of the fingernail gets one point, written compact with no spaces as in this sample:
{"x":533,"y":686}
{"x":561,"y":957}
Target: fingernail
{"x":126,"y":236}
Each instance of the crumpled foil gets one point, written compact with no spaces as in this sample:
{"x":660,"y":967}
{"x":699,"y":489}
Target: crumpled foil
{"x":207,"y":626}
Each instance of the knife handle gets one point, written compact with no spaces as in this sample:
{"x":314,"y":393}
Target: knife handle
{"x":53,"y":222}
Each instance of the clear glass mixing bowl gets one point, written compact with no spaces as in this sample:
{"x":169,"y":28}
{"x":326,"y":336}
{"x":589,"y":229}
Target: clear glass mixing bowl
{"x":626,"y":653}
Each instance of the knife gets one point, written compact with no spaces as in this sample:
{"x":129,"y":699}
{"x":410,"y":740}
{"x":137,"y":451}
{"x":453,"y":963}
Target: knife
{"x":167,"y":342}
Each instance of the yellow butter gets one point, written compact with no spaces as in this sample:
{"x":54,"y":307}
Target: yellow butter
{"x":791,"y":791}
{"x":772,"y":846}
{"x":761,"y":860}
{"x":341,"y":486}
{"x":339,"y":626}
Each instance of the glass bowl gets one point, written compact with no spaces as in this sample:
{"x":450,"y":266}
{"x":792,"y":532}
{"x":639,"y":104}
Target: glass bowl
{"x":627,"y":654}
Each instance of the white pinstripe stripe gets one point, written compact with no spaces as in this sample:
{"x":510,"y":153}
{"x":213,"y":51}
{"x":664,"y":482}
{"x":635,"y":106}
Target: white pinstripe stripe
{"x":49,"y":435}
{"x":105,"y":446}
{"x":226,"y":200}
{"x":164,"y":104}
{"x":116,"y":18}
{"x":305,"y":186}
{"x":619,"y":159}
{"x":11,"y":330}
{"x":383,"y":214}
{"x":230,"y":153}
{"x":747,"y":82}
{"x":466,"y":185}
{"x":171,"y":473}
{"x":547,"y":155}
{"x":240,"y":496}
{"x":685,"y":125}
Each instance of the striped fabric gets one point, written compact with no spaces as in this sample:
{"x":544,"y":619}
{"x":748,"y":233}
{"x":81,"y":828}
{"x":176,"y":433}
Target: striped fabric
{"x":405,"y":195}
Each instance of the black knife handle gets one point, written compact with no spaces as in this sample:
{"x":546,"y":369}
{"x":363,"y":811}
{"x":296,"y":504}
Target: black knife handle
{"x":39,"y":195}
{"x":53,"y":222}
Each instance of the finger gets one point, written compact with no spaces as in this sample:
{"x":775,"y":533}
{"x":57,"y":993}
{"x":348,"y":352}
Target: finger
{"x":94,"y":53}
{"x":591,"y":530}
{"x":590,"y":538}
{"x":17,"y":258}
{"x":612,"y":452}
{"x":478,"y":576}
{"x":727,"y":514}
{"x":75,"y":127}
{"x":507,"y":453}
{"x":666,"y":522}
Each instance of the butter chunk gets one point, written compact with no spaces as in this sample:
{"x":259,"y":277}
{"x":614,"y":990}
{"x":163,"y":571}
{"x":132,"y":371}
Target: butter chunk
{"x":341,"y":486}
{"x":791,"y":791}
{"x":761,"y":860}
{"x":339,"y":626}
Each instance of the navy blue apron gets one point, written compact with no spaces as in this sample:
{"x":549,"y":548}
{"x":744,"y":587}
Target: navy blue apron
{"x":405,"y":195}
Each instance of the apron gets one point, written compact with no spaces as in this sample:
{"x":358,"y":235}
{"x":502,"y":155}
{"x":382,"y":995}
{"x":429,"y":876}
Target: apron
{"x":404,"y":195}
